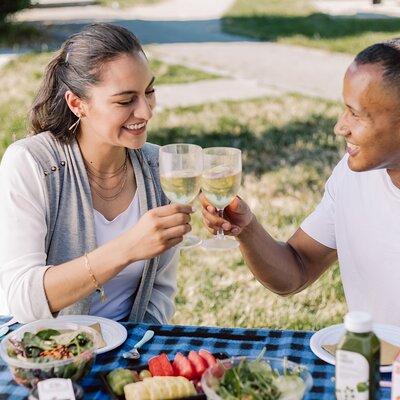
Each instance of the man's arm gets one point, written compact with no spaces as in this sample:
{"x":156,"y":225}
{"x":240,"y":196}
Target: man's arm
{"x":284,"y":268}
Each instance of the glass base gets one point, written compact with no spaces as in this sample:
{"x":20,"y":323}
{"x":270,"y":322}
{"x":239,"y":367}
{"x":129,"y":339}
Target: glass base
{"x":223,"y":243}
{"x":190,"y":241}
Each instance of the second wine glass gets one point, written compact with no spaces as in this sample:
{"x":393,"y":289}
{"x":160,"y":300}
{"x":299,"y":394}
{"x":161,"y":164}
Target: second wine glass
{"x":181,"y":165}
{"x":220,"y":183}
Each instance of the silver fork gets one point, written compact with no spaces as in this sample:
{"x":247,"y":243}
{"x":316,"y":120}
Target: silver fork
{"x":134,"y":353}
{"x":4,"y":328}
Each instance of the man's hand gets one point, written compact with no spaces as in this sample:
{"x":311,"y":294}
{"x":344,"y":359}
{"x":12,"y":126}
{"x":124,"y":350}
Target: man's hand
{"x":237,"y":216}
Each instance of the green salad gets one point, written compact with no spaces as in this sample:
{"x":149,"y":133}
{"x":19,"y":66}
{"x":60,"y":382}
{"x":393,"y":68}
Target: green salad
{"x":256,"y":379}
{"x":49,"y":345}
{"x":50,"y":353}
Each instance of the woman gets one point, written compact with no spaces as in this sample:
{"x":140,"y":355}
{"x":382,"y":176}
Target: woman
{"x":85,"y":227}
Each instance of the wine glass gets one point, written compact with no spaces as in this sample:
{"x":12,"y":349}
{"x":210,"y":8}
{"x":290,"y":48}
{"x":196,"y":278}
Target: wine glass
{"x":220,"y":183}
{"x":181,"y":166}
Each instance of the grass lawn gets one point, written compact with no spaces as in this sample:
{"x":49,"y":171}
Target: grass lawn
{"x":297,"y":22}
{"x":288,"y":152}
{"x":20,"y":78}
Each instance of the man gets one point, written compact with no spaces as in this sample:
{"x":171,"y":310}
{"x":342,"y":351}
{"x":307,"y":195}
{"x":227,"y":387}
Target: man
{"x":358,"y":218}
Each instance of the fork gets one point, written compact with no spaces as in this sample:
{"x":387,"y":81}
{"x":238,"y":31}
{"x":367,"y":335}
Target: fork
{"x":134,"y":353}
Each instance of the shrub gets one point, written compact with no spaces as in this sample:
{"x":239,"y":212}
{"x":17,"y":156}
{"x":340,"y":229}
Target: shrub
{"x":11,"y":6}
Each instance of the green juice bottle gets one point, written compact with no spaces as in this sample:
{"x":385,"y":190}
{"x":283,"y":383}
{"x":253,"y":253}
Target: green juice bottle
{"x":358,"y":360}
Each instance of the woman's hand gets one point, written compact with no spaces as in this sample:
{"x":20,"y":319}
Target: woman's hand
{"x":237,"y":216}
{"x":157,"y":231}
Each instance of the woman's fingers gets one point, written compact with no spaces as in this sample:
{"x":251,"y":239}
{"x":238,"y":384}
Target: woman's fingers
{"x":171,"y":209}
{"x":174,"y":220}
{"x":176,"y":231}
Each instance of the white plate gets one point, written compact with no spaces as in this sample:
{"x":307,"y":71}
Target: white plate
{"x":114,"y":334}
{"x":332,"y":335}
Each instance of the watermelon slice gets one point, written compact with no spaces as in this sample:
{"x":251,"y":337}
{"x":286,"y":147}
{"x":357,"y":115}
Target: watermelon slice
{"x":208,"y":357}
{"x":160,"y":366}
{"x":199,"y":364}
{"x":183,"y":367}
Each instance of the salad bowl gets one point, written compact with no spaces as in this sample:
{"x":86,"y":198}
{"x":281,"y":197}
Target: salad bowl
{"x":49,"y":349}
{"x":255,"y":378}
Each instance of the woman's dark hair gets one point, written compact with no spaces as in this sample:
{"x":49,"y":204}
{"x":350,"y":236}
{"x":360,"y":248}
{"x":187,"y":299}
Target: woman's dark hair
{"x":76,"y":67}
{"x":387,"y":54}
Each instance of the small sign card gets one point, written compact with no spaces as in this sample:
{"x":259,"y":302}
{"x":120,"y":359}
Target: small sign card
{"x":56,"y":389}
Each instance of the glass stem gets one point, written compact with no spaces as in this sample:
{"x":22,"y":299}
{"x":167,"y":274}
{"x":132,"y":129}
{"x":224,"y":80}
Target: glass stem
{"x":220,"y":232}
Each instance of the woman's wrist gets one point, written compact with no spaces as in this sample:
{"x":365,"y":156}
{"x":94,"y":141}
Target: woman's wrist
{"x":114,"y":253}
{"x":124,"y":247}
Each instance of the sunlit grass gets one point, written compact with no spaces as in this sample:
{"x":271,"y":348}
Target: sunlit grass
{"x":288,"y":151}
{"x":298,"y":22}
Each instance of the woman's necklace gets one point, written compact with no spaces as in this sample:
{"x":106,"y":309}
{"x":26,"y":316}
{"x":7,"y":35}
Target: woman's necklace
{"x":99,"y":189}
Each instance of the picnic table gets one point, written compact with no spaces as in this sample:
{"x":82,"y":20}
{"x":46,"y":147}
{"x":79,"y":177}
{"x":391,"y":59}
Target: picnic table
{"x":295,"y":345}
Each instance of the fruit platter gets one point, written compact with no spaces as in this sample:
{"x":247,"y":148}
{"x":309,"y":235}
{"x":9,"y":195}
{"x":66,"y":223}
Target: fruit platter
{"x":201,"y":375}
{"x":162,"y":378}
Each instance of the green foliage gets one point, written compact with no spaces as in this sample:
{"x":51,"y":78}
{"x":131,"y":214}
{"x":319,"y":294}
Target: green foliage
{"x":297,"y":22}
{"x":11,"y":6}
{"x":13,"y":33}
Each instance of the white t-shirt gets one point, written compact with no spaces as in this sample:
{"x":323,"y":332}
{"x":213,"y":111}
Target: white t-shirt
{"x":121,"y":288}
{"x":359,"y":215}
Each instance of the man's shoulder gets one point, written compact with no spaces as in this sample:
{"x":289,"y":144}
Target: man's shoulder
{"x":339,"y":172}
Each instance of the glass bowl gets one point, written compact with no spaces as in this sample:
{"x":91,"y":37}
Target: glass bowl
{"x":211,"y":379}
{"x":29,"y":373}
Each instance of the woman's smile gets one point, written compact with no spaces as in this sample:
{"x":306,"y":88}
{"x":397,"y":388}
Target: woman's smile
{"x":135,"y":129}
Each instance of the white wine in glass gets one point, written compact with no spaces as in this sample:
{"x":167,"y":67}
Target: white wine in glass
{"x":181,"y":166}
{"x":182,"y":186}
{"x":220,"y":183}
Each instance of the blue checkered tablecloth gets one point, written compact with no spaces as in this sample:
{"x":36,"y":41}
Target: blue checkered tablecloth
{"x":295,"y":345}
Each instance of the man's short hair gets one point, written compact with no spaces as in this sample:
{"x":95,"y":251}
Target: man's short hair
{"x":387,"y":54}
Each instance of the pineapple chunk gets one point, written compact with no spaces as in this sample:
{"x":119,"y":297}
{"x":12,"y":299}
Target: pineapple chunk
{"x":160,"y":388}
{"x":186,"y":388}
{"x":136,"y":391}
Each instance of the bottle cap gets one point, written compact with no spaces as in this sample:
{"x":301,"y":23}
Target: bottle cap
{"x":358,"y":322}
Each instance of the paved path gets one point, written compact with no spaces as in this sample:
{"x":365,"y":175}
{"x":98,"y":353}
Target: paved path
{"x":167,"y":10}
{"x":279,"y":68}
{"x":181,"y":95}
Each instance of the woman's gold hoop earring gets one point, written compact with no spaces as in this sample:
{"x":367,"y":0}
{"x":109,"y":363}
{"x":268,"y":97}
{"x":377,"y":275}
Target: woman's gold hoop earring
{"x":75,"y":125}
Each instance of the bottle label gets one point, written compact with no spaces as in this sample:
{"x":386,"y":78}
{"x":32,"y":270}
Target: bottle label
{"x":352,"y":376}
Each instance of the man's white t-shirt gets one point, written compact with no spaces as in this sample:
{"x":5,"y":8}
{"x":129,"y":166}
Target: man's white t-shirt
{"x":359,"y":215}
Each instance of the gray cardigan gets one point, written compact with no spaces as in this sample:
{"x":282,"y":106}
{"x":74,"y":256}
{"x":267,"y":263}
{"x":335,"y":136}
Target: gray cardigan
{"x":70,"y":221}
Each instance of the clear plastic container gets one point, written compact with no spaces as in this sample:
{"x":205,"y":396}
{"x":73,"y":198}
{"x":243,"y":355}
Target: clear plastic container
{"x":28,"y":374}
{"x":212,"y":377}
